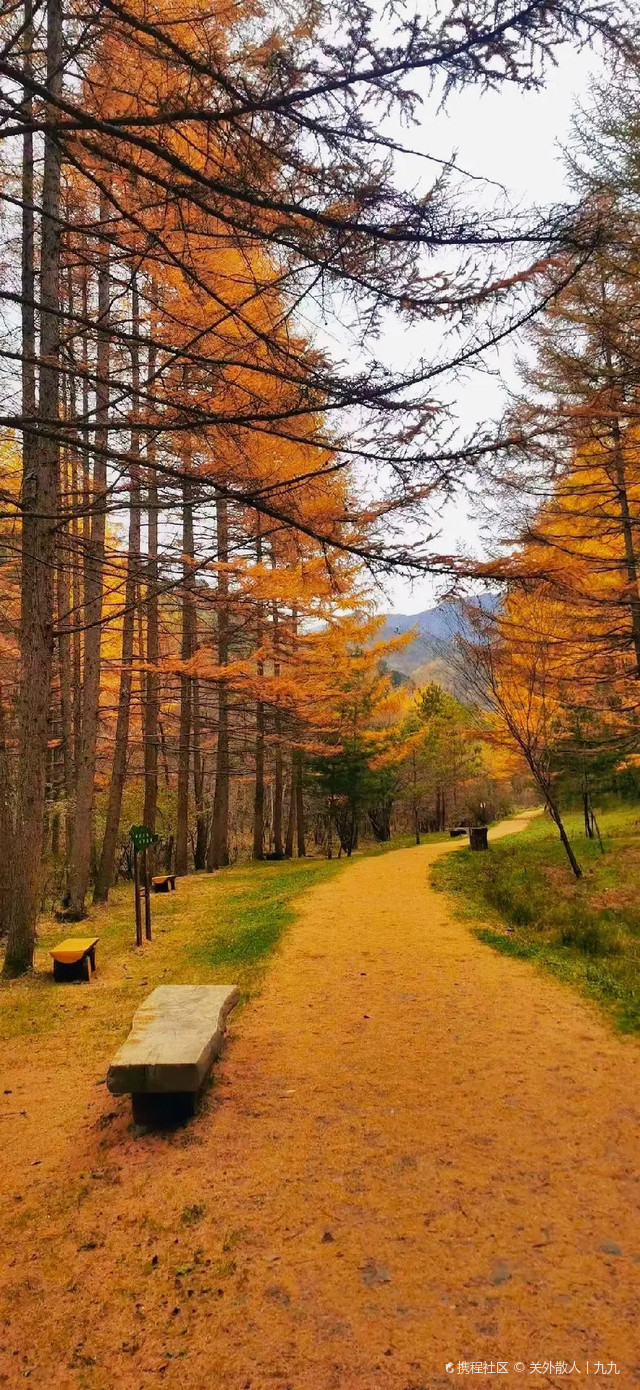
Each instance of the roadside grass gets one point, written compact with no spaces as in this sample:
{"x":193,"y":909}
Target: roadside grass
{"x":216,"y":928}
{"x":373,"y":847}
{"x":585,"y":932}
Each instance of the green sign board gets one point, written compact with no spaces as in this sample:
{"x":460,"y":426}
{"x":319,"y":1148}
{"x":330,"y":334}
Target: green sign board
{"x":141,"y":837}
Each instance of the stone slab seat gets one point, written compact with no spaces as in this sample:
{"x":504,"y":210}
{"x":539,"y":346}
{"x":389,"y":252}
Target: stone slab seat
{"x":175,"y":1036}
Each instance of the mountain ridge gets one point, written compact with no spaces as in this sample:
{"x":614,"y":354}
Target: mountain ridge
{"x":436,"y":631}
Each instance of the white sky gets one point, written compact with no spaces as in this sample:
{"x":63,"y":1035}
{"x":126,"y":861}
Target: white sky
{"x":514,"y":138}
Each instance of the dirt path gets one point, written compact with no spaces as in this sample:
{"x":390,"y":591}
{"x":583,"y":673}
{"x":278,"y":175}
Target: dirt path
{"x":415,"y":1154}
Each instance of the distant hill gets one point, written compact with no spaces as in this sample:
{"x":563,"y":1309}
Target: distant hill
{"x":436,"y":631}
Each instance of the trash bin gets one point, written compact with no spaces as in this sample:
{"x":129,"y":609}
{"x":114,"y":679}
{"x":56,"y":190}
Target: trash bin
{"x":478,"y":837}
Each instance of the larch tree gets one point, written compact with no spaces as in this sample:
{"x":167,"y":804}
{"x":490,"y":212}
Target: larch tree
{"x":235,"y":170}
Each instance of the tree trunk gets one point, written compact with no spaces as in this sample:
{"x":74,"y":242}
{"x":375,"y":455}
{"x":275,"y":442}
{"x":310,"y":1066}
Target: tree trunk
{"x":620,"y":483}
{"x":631,"y":563}
{"x":330,"y":831}
{"x":66,"y":613}
{"x":200,"y":850}
{"x":104,"y":877}
{"x":151,"y":700}
{"x":6,"y":821}
{"x":587,"y":814}
{"x":79,"y":469}
{"x":258,"y":799}
{"x":555,"y":815}
{"x":416,"y":812}
{"x":39,"y":501}
{"x":278,"y":779}
{"x":278,"y":793}
{"x":64,"y":673}
{"x":302,"y":848}
{"x":219,"y":841}
{"x":541,"y":779}
{"x":294,"y":798}
{"x":80,"y":858}
{"x":184,"y":743}
{"x":291,"y":821}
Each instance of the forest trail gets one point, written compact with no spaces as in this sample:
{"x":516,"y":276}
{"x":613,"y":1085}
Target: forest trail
{"x":415,"y":1153}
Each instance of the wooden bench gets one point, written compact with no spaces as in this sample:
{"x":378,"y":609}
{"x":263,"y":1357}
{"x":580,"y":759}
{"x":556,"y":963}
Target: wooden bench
{"x":175,"y":1036}
{"x":75,"y":958}
{"x":162,"y":883}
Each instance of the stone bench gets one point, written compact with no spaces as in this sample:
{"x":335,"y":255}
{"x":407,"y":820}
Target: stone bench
{"x":175,"y":1036}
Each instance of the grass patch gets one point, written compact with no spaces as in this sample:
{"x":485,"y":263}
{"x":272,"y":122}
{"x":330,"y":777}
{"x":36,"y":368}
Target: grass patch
{"x":586,"y":932}
{"x":374,"y":847}
{"x":254,"y":912}
{"x":217,"y":928}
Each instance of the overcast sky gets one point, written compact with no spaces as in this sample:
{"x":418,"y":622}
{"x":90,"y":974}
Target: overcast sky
{"x":514,"y":138}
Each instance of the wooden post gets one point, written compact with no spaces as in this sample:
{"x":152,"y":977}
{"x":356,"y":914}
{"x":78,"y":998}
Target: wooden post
{"x":147,"y":896}
{"x":136,"y":893}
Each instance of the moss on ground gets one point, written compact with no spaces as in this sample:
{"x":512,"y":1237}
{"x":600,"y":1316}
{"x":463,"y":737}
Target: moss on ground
{"x":586,"y":932}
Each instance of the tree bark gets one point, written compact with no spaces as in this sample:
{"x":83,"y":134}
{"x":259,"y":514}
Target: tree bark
{"x":631,"y":562}
{"x":278,"y":779}
{"x":104,"y":877}
{"x":541,"y":778}
{"x":554,"y":812}
{"x":620,"y":484}
{"x":67,"y":588}
{"x":184,"y":743}
{"x":219,"y":841}
{"x":151,"y":701}
{"x":278,"y":793}
{"x":81,"y":536}
{"x":39,"y":506}
{"x":416,"y":813}
{"x":291,"y":820}
{"x":200,"y":849}
{"x":302,"y":848}
{"x":587,"y":815}
{"x":64,"y":675}
{"x":258,"y":799}
{"x":6,"y":821}
{"x":80,"y":858}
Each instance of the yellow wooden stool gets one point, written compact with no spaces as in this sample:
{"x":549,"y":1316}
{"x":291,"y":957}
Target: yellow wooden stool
{"x":75,"y":958}
{"x":164,"y":883}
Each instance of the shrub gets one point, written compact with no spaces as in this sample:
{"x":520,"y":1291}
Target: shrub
{"x":593,"y":938}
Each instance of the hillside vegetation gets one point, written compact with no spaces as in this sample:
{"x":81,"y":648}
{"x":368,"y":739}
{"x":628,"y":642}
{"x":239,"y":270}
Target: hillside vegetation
{"x":524,"y":902}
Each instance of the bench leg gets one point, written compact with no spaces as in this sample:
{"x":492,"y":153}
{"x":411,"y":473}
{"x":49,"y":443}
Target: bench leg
{"x":65,"y":974}
{"x":163,"y":1110}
